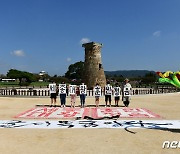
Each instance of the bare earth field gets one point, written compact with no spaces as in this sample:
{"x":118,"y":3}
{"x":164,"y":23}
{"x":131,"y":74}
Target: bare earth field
{"x":57,"y":141}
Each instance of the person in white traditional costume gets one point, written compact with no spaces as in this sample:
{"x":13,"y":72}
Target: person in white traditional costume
{"x":126,"y":92}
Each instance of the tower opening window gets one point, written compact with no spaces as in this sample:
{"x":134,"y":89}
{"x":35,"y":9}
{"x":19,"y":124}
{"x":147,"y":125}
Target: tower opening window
{"x":100,"y":66}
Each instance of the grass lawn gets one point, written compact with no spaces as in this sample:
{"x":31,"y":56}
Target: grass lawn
{"x":16,"y":84}
{"x":38,"y":84}
{"x":9,"y":84}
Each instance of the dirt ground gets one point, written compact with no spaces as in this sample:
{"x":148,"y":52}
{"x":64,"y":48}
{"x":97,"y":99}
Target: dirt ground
{"x":57,"y":141}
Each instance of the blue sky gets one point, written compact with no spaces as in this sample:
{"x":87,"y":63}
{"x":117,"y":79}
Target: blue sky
{"x":46,"y":35}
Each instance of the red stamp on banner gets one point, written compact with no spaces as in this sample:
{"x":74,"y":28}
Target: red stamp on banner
{"x":61,"y":113}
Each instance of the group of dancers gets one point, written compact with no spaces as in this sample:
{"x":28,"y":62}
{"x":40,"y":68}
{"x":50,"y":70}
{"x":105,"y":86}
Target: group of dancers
{"x":62,"y":90}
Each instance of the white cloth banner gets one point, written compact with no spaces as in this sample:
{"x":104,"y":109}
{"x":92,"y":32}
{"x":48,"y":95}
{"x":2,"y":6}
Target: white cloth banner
{"x":62,"y":88}
{"x":127,"y":91}
{"x":117,"y":91}
{"x":52,"y":88}
{"x":121,"y":124}
{"x":108,"y":90}
{"x":83,"y":89}
{"x":72,"y":89}
{"x":97,"y":91}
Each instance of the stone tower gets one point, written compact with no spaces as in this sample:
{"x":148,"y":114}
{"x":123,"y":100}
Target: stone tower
{"x":94,"y":72}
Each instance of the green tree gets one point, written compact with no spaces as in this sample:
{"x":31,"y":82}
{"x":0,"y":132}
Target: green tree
{"x":75,"y":71}
{"x":25,"y":78}
{"x":45,"y":77}
{"x":149,"y":78}
{"x":59,"y":79}
{"x":36,"y":76}
{"x":2,"y":76}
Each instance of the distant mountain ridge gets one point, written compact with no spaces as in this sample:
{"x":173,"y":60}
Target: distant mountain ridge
{"x":129,"y":73}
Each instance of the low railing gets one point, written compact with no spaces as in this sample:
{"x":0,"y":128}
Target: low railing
{"x":45,"y":92}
